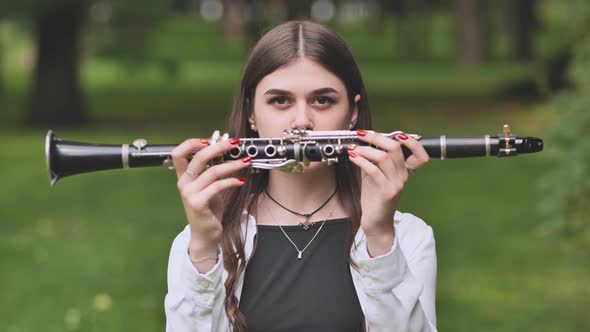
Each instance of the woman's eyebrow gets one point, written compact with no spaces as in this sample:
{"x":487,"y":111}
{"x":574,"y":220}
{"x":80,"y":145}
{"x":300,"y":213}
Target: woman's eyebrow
{"x":277,"y":92}
{"x":324,"y":90}
{"x":314,"y":92}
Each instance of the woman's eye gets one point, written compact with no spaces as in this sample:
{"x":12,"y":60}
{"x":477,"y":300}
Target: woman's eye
{"x":323,"y":100}
{"x":279,"y":100}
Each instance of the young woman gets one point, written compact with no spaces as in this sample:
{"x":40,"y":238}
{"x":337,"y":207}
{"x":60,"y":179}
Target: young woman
{"x":323,"y":250}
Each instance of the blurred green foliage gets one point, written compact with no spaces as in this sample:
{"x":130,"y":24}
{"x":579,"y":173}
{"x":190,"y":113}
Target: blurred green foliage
{"x":185,"y":38}
{"x":566,"y":188}
{"x":562,"y":25}
{"x":128,"y":36}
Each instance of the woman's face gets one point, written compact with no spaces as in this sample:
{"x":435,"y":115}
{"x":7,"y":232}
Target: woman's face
{"x":301,"y":94}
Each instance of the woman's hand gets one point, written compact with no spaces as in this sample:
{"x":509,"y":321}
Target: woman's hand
{"x":384,"y":174}
{"x":201,"y":188}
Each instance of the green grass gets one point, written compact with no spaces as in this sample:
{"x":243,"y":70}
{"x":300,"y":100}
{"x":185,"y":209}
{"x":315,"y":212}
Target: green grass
{"x":495,"y":272}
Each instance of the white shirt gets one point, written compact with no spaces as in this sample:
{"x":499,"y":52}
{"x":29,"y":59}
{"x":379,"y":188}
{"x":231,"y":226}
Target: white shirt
{"x":396,"y":290}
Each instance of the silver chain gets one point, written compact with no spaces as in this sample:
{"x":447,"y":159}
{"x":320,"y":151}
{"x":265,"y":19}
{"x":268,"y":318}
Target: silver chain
{"x":300,"y":252}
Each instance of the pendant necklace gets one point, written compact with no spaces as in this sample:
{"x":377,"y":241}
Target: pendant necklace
{"x":305,"y":224}
{"x":300,"y":252}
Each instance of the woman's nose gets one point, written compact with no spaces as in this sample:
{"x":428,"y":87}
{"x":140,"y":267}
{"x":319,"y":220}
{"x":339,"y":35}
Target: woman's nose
{"x":302,"y":117}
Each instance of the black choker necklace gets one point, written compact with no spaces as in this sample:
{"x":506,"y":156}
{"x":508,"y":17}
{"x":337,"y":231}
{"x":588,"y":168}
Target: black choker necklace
{"x":306,"y":225}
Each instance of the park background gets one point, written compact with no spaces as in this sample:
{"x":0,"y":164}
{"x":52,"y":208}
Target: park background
{"x":90,"y":254}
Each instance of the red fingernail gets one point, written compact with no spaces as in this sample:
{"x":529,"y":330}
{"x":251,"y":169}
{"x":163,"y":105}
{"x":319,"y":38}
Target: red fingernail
{"x":204,"y":140}
{"x":242,"y":180}
{"x":352,"y":154}
{"x":361,"y":132}
{"x":350,"y":147}
{"x":246,"y":159}
{"x":234,"y":140}
{"x":402,"y":136}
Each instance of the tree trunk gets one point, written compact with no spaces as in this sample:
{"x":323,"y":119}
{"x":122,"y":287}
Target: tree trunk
{"x":298,"y":9}
{"x":1,"y":66}
{"x":404,"y":37}
{"x":56,"y":97}
{"x":376,"y":17}
{"x":488,"y":11}
{"x":234,"y":20}
{"x":524,"y":23}
{"x":469,"y":48}
{"x":258,"y":20}
{"x":182,"y":6}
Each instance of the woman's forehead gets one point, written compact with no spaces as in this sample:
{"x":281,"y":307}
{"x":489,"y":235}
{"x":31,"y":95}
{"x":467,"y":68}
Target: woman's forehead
{"x":301,"y":75}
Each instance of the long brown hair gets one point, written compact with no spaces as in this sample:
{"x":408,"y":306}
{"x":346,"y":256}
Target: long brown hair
{"x":276,"y":48}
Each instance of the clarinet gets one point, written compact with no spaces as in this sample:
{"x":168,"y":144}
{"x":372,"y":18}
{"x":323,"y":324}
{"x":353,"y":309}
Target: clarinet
{"x":290,"y":153}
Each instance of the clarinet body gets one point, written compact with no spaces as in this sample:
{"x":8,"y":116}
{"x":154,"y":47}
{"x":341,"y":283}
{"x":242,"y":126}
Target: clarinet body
{"x":289,"y":153}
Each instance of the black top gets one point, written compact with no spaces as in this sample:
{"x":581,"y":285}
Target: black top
{"x":314,"y":293}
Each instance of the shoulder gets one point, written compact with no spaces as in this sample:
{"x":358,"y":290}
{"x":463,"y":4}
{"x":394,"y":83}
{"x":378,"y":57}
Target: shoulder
{"x":413,"y":234}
